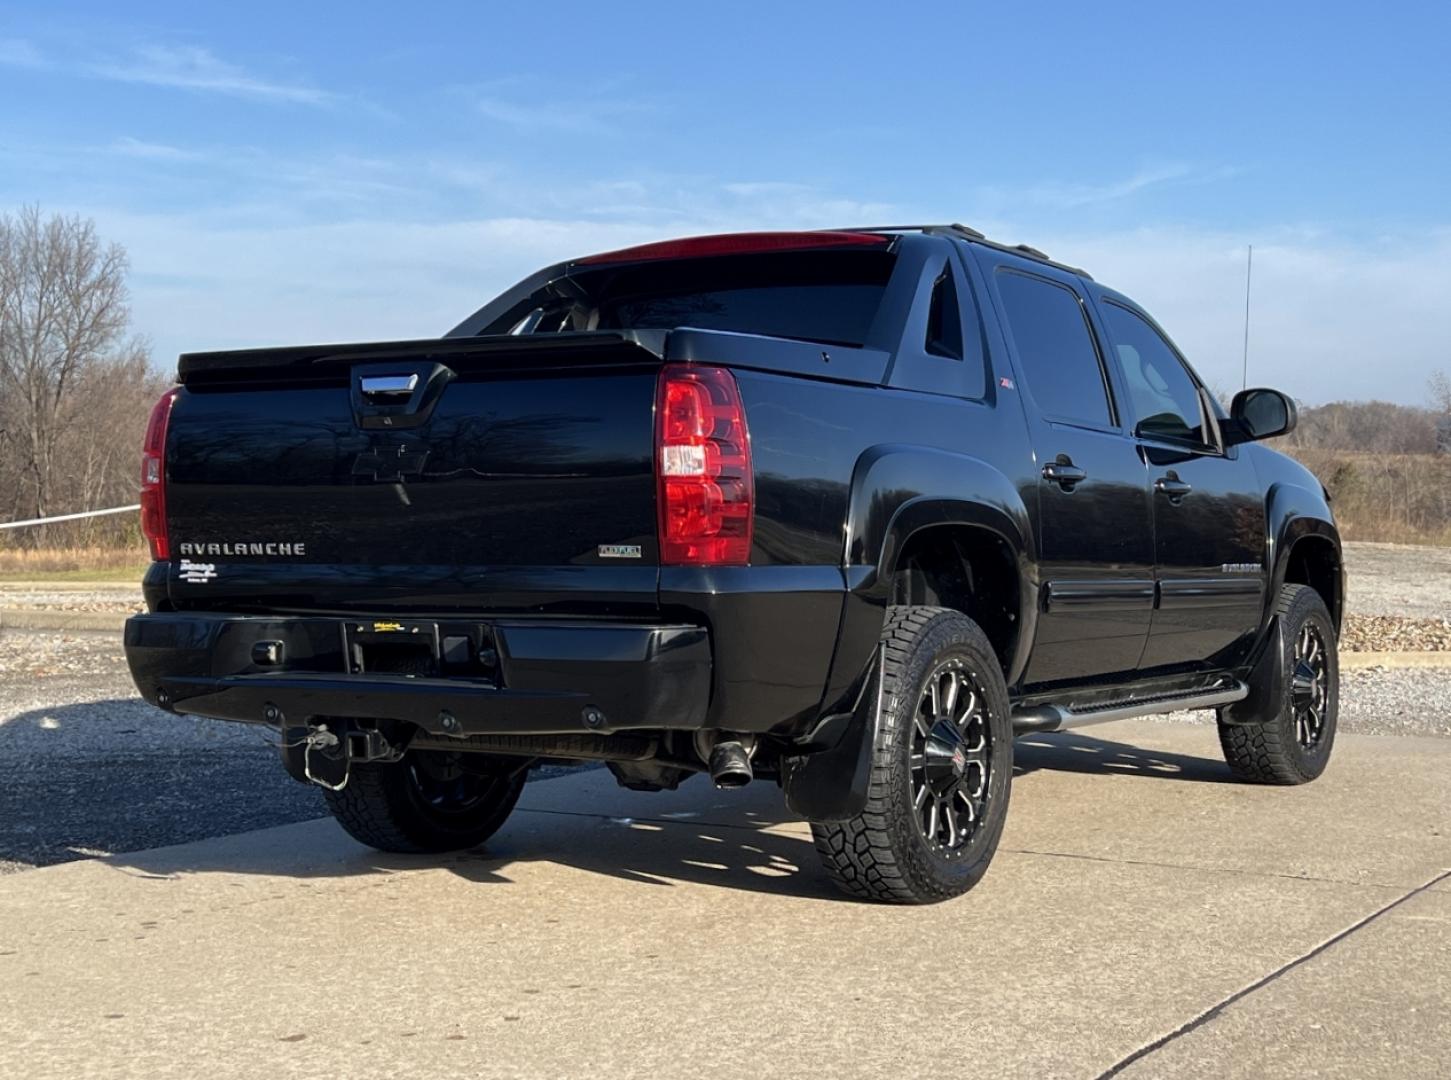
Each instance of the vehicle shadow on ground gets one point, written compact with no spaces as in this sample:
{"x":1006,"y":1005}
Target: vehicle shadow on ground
{"x":745,"y":852}
{"x":118,"y":775}
{"x":1075,"y":752}
{"x":749,"y":843}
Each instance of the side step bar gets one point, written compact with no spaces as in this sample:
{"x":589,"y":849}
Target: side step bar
{"x":1041,"y":718}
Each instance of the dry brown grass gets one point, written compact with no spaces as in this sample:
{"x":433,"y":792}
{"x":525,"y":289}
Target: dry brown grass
{"x":122,"y":563}
{"x":1393,"y":498}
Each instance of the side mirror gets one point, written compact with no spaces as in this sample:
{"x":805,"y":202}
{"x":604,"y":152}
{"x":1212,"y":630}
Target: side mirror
{"x":1260,"y":414}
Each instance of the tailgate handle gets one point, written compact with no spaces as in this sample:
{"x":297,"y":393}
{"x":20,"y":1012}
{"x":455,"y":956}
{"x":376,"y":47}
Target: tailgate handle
{"x":398,"y":394}
{"x":386,"y":386}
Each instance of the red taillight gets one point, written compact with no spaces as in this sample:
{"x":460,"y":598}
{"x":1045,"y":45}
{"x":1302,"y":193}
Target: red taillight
{"x":703,"y":462}
{"x":755,"y":243}
{"x":153,"y":478}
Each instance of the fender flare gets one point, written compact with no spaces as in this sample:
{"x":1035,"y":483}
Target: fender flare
{"x":897,"y":490}
{"x":1292,"y":513}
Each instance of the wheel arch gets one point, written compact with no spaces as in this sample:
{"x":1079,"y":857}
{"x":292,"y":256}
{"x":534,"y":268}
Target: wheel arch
{"x":966,"y":567}
{"x":1304,"y":547}
{"x":907,"y":498}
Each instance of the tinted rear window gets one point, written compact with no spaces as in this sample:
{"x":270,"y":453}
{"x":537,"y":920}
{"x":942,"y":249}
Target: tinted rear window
{"x":830,"y":296}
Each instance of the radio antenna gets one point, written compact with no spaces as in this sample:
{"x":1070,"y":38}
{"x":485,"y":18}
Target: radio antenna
{"x":1249,"y":263}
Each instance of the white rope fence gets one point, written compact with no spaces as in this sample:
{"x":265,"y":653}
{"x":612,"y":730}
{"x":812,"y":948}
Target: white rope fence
{"x":69,"y":517}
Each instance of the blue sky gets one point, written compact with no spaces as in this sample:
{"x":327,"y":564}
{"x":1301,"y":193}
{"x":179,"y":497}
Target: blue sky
{"x":298,"y":172}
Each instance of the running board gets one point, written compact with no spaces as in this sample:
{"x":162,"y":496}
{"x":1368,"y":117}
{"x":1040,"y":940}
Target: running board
{"x":1041,"y":718}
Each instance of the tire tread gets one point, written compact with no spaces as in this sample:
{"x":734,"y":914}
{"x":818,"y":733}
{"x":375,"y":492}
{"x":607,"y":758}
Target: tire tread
{"x":1261,"y":753}
{"x":859,"y":854}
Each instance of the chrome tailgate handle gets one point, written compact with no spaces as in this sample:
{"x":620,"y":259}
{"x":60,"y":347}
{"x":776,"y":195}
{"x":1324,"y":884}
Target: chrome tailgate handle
{"x":377,"y":386}
{"x":397,"y":394}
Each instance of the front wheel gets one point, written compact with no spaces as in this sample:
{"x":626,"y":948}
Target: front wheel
{"x":942,"y":766}
{"x":1289,"y":743}
{"x":431,"y":801}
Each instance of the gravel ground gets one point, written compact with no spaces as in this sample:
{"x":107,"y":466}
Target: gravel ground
{"x":87,"y":768}
{"x":1398,"y":579}
{"x":120,"y":599}
{"x":1391,"y":633}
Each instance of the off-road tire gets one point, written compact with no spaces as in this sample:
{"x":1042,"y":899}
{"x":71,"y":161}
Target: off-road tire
{"x":385,"y":805}
{"x":882,"y":854}
{"x":1268,"y":750}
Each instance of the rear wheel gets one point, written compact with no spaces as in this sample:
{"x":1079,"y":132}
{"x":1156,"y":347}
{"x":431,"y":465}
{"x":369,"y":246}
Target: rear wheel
{"x":430,"y":801}
{"x":1291,"y":744}
{"x":941,"y":769}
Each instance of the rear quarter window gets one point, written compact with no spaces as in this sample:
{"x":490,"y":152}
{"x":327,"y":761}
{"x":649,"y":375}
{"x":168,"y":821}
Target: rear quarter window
{"x":826,"y":296}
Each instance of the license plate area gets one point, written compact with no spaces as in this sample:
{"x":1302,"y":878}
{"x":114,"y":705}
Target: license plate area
{"x":420,"y":648}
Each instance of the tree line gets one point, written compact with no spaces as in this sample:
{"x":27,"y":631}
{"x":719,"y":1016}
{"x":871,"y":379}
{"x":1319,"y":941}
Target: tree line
{"x":76,"y":384}
{"x":1378,"y":427}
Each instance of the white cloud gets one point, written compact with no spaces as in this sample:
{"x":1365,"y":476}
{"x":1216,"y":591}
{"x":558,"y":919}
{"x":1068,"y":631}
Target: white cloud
{"x":17,"y":52}
{"x":1071,"y":196}
{"x":190,"y":67}
{"x":600,"y":116}
{"x":749,"y":189}
{"x":1060,"y":195}
{"x":152,"y":151}
{"x":183,"y":67}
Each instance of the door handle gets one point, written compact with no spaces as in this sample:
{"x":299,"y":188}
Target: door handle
{"x":1064,"y":473}
{"x":1173,"y":487}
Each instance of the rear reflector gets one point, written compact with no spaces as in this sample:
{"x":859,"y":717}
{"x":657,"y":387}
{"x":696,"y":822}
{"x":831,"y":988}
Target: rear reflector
{"x":739,"y":244}
{"x":703,"y":464}
{"x":153,"y":478}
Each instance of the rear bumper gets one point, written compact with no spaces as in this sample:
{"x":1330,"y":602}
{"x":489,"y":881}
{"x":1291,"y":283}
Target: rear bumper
{"x":551,"y":677}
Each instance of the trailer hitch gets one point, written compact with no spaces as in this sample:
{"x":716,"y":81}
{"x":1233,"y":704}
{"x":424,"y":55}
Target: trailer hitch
{"x":322,"y":752}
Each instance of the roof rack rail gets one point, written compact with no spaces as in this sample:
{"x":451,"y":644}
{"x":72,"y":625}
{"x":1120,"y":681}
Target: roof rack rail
{"x":966,"y":232}
{"x":962,"y":230}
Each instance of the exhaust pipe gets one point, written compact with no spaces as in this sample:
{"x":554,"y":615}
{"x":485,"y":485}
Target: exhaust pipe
{"x":730,"y":765}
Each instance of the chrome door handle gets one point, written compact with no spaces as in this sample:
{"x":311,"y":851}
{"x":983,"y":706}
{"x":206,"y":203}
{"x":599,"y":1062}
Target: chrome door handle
{"x":1173,"y":487}
{"x":1064,"y":473}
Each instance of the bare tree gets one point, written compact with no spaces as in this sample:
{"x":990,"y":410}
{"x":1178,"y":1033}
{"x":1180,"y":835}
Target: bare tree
{"x":1440,"y":386}
{"x":63,"y":311}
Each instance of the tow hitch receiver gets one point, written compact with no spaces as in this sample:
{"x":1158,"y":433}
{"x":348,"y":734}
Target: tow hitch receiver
{"x":322,"y":752}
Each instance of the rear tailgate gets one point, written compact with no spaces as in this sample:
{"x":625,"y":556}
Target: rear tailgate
{"x":490,"y":474}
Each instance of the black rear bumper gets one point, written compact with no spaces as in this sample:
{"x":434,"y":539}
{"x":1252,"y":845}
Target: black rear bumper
{"x":514,"y":677}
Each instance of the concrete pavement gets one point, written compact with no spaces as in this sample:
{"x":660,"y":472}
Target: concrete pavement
{"x":1145,"y":914}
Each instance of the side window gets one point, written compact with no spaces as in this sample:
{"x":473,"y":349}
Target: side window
{"x":1055,"y":346}
{"x":944,"y":319}
{"x":1165,"y":398}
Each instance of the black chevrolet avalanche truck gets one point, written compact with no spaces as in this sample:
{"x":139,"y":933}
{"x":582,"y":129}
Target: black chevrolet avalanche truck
{"x":846,"y":510}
